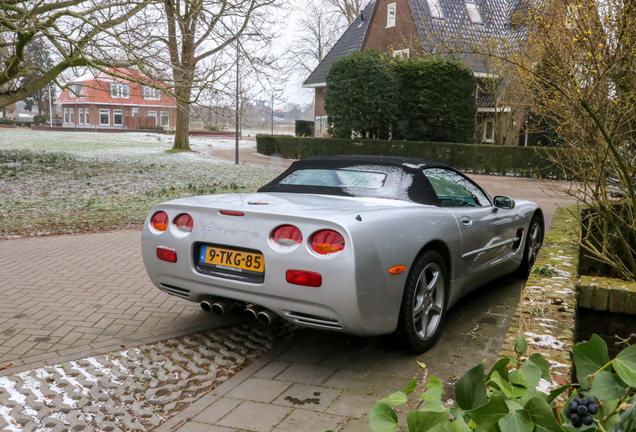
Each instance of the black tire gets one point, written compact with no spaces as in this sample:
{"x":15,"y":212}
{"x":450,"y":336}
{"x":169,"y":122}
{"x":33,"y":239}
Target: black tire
{"x":534,"y":240}
{"x":424,"y":304}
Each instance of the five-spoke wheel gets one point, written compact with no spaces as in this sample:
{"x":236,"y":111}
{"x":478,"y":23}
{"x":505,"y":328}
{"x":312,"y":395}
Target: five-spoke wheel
{"x":424,"y":303}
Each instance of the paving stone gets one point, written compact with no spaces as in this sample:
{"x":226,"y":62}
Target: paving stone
{"x":255,"y":416}
{"x":120,"y":391}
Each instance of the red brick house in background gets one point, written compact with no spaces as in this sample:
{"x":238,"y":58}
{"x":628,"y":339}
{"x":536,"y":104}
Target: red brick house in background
{"x":105,"y":102}
{"x":407,"y":28}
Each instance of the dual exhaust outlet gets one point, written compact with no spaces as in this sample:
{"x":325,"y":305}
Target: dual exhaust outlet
{"x":251,"y":311}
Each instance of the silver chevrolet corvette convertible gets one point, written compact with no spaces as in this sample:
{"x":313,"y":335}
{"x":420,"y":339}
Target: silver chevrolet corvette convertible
{"x":365,"y":245}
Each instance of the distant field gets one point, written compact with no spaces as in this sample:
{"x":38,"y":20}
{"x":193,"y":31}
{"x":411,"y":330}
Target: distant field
{"x":67,"y":182}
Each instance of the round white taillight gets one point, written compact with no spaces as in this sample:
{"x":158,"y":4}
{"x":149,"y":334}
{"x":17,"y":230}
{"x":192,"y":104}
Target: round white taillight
{"x":287,"y":235}
{"x":159,"y":221}
{"x":327,"y":242}
{"x":184,"y":223}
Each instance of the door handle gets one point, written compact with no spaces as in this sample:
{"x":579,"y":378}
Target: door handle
{"x":466,"y":221}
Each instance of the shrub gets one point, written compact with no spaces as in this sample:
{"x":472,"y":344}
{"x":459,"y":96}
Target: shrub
{"x":437,"y":101}
{"x":304,"y":128}
{"x":476,"y":158}
{"x":513,"y":397}
{"x":360,"y":95}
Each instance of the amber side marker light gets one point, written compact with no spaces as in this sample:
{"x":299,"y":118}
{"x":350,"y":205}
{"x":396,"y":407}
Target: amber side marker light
{"x":168,"y":255}
{"x":304,"y":278}
{"x":397,"y":270}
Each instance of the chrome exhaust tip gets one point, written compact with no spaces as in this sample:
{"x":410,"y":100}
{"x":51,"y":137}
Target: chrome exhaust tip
{"x":206,"y":306}
{"x":252,"y":311}
{"x":267,"y":317}
{"x":222,"y":306}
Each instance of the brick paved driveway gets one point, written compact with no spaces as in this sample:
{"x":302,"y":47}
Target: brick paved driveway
{"x":70,"y":296}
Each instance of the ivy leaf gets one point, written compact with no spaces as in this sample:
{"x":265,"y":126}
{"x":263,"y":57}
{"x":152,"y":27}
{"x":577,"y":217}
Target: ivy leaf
{"x":382,"y":418}
{"x":459,"y":425}
{"x":424,"y":421}
{"x":528,"y":376}
{"x":487,"y":416}
{"x":589,"y":357}
{"x":627,"y":422}
{"x":606,"y":386}
{"x":521,"y":345}
{"x":410,"y":387}
{"x":397,"y":398}
{"x":504,"y":386}
{"x":539,"y":361}
{"x":519,"y":421}
{"x":625,"y":365}
{"x":470,"y":389}
{"x":556,"y":392}
{"x":542,"y":416}
{"x":501,"y":367}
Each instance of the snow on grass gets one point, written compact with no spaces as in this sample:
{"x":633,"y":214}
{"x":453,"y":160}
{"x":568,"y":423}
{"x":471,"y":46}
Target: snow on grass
{"x":65,"y":182}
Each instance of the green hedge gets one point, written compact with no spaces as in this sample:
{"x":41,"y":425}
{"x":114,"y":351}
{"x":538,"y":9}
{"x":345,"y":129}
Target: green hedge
{"x":476,"y":158}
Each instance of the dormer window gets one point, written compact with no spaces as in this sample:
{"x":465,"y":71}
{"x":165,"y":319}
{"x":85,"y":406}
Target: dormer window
{"x":119,"y":91}
{"x":435,"y":9}
{"x":391,"y":11}
{"x":75,"y":90}
{"x":473,"y":13}
{"x":151,"y":93}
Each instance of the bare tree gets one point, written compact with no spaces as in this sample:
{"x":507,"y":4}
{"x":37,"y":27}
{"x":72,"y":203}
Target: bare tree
{"x":579,"y":66}
{"x":75,"y":31}
{"x":348,"y":9}
{"x":196,"y":43}
{"x":320,"y":27}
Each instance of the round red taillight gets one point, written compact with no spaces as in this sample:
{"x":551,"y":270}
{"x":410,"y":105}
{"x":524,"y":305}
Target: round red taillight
{"x":327,"y":242}
{"x":287,"y":235}
{"x":159,"y":221}
{"x":184,"y":223}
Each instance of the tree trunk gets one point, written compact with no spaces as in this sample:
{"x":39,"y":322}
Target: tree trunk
{"x":181,"y":135}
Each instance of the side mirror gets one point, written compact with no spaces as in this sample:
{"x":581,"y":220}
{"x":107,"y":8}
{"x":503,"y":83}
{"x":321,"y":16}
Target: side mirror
{"x":504,"y":202}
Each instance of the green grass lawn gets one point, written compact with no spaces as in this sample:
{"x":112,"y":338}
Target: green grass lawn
{"x":67,"y":182}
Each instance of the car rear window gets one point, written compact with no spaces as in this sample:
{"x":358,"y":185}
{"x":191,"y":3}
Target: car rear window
{"x":341,"y":178}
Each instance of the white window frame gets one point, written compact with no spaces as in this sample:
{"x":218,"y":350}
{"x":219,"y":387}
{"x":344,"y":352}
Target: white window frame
{"x":80,"y":116}
{"x":489,"y":138}
{"x":151,"y":93}
{"x":86,"y":117}
{"x":391,"y":14}
{"x":117,"y":112}
{"x":473,"y":13}
{"x":135,"y":112}
{"x":435,"y":9}
{"x":154,"y":115}
{"x":119,"y":91}
{"x":65,"y":115}
{"x":101,"y":112}
{"x":403,"y":53}
{"x":71,"y":117}
{"x":164,"y":115}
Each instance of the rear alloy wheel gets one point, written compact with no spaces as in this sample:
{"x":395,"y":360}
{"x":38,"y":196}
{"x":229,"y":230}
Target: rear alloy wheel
{"x":534,"y":240}
{"x":424,"y":303}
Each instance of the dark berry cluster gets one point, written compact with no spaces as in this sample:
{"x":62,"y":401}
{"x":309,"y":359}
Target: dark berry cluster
{"x":580,"y":411}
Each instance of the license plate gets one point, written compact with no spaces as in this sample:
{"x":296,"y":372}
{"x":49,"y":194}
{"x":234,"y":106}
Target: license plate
{"x":231,"y":259}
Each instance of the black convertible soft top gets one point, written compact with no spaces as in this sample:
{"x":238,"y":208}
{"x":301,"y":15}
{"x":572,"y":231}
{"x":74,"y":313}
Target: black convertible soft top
{"x":405,"y":178}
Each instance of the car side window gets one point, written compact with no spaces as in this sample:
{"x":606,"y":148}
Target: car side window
{"x":455,"y":190}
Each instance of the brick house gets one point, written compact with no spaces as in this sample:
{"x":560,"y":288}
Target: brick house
{"x":106,"y":102}
{"x":409,"y":28}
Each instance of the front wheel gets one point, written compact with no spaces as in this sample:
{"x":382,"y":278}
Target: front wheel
{"x":424,"y":302}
